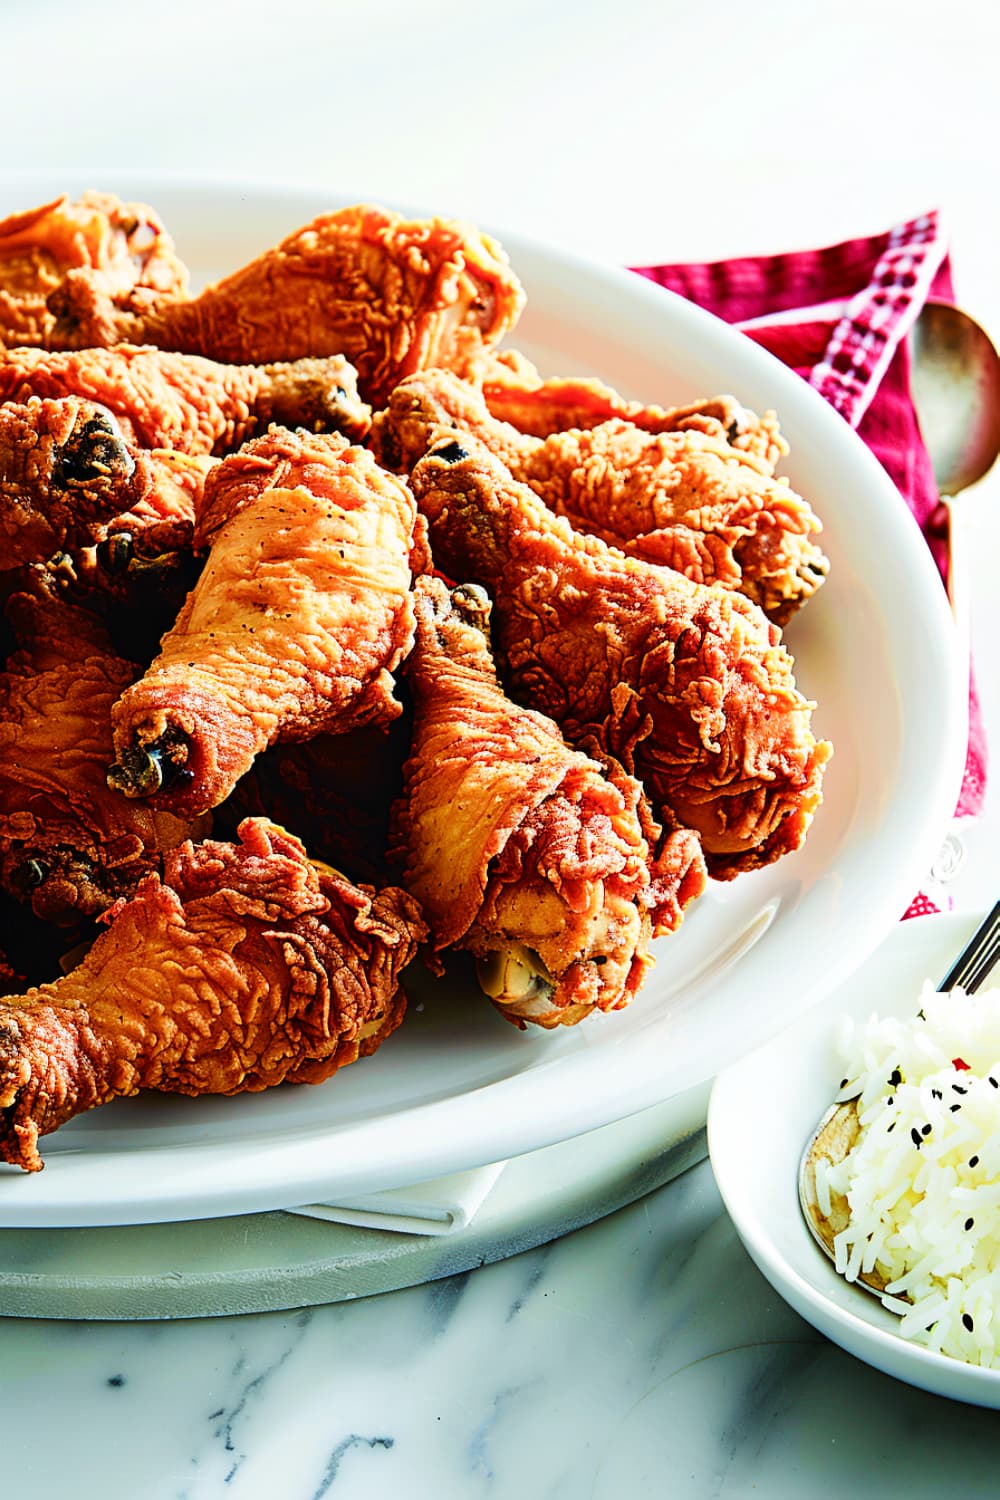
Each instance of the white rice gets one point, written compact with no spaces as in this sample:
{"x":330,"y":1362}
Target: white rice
{"x":923,"y":1180}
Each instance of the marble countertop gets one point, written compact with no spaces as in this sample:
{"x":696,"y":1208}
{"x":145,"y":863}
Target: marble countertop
{"x":643,"y":1354}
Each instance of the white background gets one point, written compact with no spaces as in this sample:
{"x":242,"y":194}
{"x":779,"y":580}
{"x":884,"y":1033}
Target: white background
{"x":634,"y":129}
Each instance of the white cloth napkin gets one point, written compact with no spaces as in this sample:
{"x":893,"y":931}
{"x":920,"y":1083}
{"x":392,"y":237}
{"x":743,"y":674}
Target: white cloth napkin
{"x":441,"y":1205}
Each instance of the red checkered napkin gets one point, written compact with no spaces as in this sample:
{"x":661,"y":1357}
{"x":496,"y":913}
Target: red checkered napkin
{"x":839,"y":316}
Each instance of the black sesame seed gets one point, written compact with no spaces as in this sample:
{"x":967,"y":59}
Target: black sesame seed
{"x":993,"y":1083}
{"x":890,"y":1127}
{"x":936,"y":1094}
{"x":895,"y":1077}
{"x":957,"y":1088}
{"x":925,"y":1130}
{"x":973,"y":1161}
{"x":967,"y":1322}
{"x":890,"y":1101}
{"x":916,"y":1137}
{"x":953,"y":1107}
{"x":843,"y":1083}
{"x":969,"y":1223}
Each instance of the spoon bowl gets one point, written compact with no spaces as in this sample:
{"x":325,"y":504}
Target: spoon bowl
{"x":955,"y":385}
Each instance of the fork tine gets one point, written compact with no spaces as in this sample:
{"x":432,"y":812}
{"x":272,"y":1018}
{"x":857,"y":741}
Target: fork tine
{"x":976,"y":960}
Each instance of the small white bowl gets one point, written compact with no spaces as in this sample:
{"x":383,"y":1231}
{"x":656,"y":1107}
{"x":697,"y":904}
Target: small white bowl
{"x":761,"y":1113}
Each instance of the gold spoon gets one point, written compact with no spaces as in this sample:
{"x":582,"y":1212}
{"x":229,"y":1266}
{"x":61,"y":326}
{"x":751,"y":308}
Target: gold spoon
{"x":955,"y":385}
{"x":840,"y":1127}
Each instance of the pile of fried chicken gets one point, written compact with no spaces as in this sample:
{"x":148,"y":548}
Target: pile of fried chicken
{"x":335,"y":635}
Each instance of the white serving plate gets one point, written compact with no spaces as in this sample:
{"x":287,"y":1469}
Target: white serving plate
{"x":762,"y":1111}
{"x":458,"y":1086}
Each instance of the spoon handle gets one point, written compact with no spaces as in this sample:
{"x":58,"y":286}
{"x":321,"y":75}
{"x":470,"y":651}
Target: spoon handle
{"x":975,"y":962}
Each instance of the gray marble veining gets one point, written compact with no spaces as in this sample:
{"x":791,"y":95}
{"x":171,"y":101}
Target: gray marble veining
{"x":641,"y":1356}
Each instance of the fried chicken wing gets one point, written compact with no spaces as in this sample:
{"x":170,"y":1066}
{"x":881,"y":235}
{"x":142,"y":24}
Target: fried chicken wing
{"x":65,"y":468}
{"x":529,"y":854}
{"x":391,"y":294}
{"x":688,"y":686}
{"x":516,"y":393}
{"x":122,"y":248}
{"x":241,"y":967}
{"x":684,"y":499}
{"x":187,"y":403}
{"x":68,"y":845}
{"x":294,"y":628}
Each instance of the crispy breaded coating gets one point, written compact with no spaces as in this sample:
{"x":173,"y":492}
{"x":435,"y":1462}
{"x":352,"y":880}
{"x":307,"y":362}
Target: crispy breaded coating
{"x":123,"y":248}
{"x":689,"y":502}
{"x":529,"y":854}
{"x":241,"y":967}
{"x":684,"y":499}
{"x":68,"y":845}
{"x":389,"y":293}
{"x":430,"y":399}
{"x":175,"y":494}
{"x":516,"y":393}
{"x":688,"y":686}
{"x":278,"y":459}
{"x":294,"y":628}
{"x":65,"y":468}
{"x":187,"y":403}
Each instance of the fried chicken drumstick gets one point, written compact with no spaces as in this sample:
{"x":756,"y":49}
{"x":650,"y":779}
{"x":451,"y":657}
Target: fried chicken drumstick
{"x":69,"y":846}
{"x":681,"y":498}
{"x":65,"y":469}
{"x":294,"y":628}
{"x":187,"y":403}
{"x":244,"y":966}
{"x":689,"y":502}
{"x":687,"y":686}
{"x":391,"y":294}
{"x":529,"y":854}
{"x":123,"y":249}
{"x":515,"y":392}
